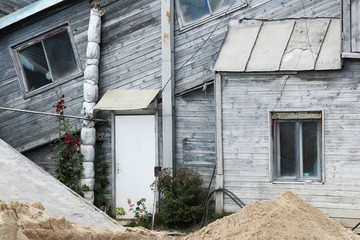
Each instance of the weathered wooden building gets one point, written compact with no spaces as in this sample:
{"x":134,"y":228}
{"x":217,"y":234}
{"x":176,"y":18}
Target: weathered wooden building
{"x":277,"y":111}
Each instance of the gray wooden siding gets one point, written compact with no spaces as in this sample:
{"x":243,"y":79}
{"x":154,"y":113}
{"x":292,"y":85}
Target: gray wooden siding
{"x":189,"y":41}
{"x":25,"y":131}
{"x":131,"y":45}
{"x":195,"y":132}
{"x":130,"y":58}
{"x":247,"y":100}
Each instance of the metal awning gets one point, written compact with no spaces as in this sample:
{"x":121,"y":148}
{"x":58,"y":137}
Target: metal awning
{"x":126,"y":100}
{"x":285,"y":45}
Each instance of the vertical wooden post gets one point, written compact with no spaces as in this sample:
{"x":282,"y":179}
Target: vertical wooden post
{"x":219,"y":197}
{"x":167,"y":41}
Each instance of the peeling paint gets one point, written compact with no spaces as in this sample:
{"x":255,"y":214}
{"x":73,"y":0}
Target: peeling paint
{"x":166,"y":38}
{"x":168,"y":16}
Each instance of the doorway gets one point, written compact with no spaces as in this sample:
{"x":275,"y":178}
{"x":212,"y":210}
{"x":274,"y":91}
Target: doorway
{"x":135,"y":159}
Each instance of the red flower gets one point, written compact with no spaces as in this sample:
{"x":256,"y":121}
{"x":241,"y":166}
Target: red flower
{"x":67,"y":138}
{"x":63,"y":96}
{"x":51,"y":149}
{"x":69,"y":147}
{"x":57,"y":110}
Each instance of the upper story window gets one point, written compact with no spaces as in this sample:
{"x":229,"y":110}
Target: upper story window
{"x":351,"y":28}
{"x":297,"y":141}
{"x":46,"y":60}
{"x":193,"y":11}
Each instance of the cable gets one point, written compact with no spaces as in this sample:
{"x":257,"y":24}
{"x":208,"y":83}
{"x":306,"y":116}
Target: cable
{"x":230,"y":194}
{"x":202,"y":45}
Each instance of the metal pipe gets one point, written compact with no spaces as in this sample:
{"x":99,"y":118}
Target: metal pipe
{"x":51,"y":114}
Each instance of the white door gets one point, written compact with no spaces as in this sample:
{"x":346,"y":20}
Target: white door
{"x":135,"y":160}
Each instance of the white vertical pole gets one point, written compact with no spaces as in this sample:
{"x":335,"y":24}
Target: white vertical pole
{"x":167,"y":39}
{"x":219,"y":196}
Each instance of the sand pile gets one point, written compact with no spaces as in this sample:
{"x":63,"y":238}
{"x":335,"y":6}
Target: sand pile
{"x":20,"y":221}
{"x":285,"y":217}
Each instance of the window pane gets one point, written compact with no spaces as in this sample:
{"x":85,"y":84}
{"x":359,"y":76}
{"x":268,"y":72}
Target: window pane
{"x":287,"y":147}
{"x":223,"y":5}
{"x":60,"y":54}
{"x":34,"y":66}
{"x":311,"y":148}
{"x":192,"y":10}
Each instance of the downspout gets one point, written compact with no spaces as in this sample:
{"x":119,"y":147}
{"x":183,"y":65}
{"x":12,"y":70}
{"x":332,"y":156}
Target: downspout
{"x":167,"y":71}
{"x":91,"y":92}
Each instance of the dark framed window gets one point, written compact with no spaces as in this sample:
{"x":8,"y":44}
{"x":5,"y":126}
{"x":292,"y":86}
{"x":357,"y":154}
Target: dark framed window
{"x":297,"y":141}
{"x":191,"y":12}
{"x":46,"y":60}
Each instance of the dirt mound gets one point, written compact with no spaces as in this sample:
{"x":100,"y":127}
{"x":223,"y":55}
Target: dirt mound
{"x":285,"y":217}
{"x":28,"y":221}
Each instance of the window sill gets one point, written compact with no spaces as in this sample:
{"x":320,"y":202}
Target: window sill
{"x":350,"y":55}
{"x":297,"y":182}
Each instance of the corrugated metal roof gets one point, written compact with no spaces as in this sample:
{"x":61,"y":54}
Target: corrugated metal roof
{"x":124,"y":100}
{"x":286,"y":45}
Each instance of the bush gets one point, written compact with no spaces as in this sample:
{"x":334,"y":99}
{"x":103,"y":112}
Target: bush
{"x":181,"y":198}
{"x":142,"y":218}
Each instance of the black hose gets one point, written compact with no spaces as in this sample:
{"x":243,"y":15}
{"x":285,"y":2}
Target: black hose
{"x":232,"y":196}
{"x":355,"y":226}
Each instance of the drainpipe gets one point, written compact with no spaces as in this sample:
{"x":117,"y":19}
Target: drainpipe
{"x":91,"y":92}
{"x":167,"y":71}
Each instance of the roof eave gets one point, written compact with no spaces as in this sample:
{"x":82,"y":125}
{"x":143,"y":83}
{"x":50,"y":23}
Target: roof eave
{"x":27,"y":11}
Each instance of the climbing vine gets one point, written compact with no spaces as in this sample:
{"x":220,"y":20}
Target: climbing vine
{"x":66,"y":148}
{"x":101,"y":180}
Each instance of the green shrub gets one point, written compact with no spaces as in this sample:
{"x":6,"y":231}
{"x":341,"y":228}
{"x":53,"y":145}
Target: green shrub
{"x":181,"y":198}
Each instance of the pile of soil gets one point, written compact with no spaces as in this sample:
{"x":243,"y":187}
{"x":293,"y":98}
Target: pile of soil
{"x":29,"y":221}
{"x":285,"y":217}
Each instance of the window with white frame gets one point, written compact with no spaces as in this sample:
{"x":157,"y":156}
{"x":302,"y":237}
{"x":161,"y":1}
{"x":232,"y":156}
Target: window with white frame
{"x":351,"y":28}
{"x":297,"y":141}
{"x":193,"y":11}
{"x":45,"y":60}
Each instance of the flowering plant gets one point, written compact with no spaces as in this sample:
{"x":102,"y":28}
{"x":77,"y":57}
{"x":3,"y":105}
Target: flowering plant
{"x":142,"y":216}
{"x":67,"y":157}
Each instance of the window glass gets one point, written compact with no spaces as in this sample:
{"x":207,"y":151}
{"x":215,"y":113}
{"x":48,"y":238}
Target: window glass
{"x":297,"y":147}
{"x":287,"y":149}
{"x":46,"y":59}
{"x":34,"y":67}
{"x":310,"y":148}
{"x":193,"y":10}
{"x":223,"y":5}
{"x":60,"y":55}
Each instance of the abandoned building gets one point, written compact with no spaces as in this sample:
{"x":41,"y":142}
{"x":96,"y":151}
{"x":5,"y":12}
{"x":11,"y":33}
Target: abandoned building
{"x":266,"y":91}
